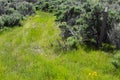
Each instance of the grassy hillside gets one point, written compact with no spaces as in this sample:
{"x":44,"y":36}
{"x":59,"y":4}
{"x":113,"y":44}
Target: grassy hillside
{"x":26,"y":54}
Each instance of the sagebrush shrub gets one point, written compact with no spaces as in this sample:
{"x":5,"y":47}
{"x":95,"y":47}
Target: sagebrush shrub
{"x":12,"y":20}
{"x":25,"y":8}
{"x":1,"y":23}
{"x":12,"y":11}
{"x":3,"y":5}
{"x":87,"y":18}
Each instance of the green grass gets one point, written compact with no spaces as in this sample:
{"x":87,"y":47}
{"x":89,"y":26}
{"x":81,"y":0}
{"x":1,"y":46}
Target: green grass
{"x":26,"y":54}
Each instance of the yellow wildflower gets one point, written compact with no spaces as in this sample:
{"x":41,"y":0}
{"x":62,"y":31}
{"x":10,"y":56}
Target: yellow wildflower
{"x":94,"y":74}
{"x":89,"y":74}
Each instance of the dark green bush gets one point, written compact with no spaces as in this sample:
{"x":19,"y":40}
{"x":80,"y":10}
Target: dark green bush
{"x":65,"y":31}
{"x":72,"y":42}
{"x":32,"y":1}
{"x":45,"y":6}
{"x":1,"y":23}
{"x":3,"y":5}
{"x":116,"y":60}
{"x":12,"y":20}
{"x":12,"y":11}
{"x":85,"y":21}
{"x":25,"y":8}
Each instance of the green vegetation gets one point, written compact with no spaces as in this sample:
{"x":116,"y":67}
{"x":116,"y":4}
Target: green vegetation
{"x":26,"y":54}
{"x":13,"y":11}
{"x":83,"y":18}
{"x":62,"y":44}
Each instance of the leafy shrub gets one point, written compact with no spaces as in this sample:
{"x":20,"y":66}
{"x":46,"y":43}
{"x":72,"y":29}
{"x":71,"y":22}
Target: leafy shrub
{"x":45,"y":6}
{"x":12,"y":20}
{"x":72,"y":42}
{"x":1,"y":23}
{"x":85,"y":21}
{"x":114,"y":36}
{"x":116,"y":60}
{"x":25,"y":8}
{"x":3,"y":5}
{"x":32,"y":1}
{"x":12,"y":11}
{"x":65,"y":31}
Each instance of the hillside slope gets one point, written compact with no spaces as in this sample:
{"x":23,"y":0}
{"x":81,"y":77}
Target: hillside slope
{"x":25,"y":54}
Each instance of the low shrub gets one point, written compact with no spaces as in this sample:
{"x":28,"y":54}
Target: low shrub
{"x":12,"y":20}
{"x":1,"y":23}
{"x":25,"y":8}
{"x":3,"y":5}
{"x":72,"y":42}
{"x":116,"y":60}
{"x":45,"y":6}
{"x":12,"y":11}
{"x":85,"y":21}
